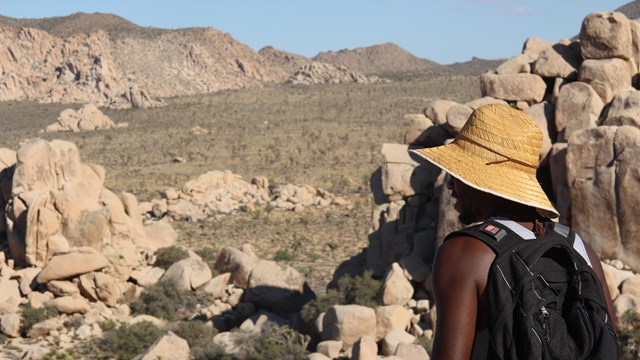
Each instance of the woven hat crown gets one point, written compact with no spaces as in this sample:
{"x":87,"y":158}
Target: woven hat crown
{"x":496,"y":151}
{"x":501,"y":134}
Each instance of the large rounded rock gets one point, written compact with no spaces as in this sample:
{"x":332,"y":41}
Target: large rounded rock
{"x":63,"y":266}
{"x":605,"y":35}
{"x":514,"y":87}
{"x":188,"y":274}
{"x":347,"y":323}
{"x":558,"y":61}
{"x":602,"y":173}
{"x":275,"y":287}
{"x":608,"y":77}
{"x":578,"y":107}
{"x":624,"y":109}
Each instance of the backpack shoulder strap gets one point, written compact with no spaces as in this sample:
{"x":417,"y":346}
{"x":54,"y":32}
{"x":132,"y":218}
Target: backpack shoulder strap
{"x":495,"y":235}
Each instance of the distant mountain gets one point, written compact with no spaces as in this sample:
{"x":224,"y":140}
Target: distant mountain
{"x":631,"y":10}
{"x":79,"y":23}
{"x":475,"y":66}
{"x":379,"y":59}
{"x":289,"y":62}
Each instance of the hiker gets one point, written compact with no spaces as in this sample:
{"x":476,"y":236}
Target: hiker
{"x":492,"y":165}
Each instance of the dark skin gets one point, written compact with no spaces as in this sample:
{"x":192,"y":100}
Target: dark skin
{"x":461,"y":269}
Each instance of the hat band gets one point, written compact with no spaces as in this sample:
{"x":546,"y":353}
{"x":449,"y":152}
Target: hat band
{"x":506,"y":158}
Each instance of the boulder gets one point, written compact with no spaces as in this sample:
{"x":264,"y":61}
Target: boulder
{"x":533,"y":46}
{"x":578,"y":107}
{"x":66,"y":265}
{"x":558,"y":61}
{"x":147,"y":275}
{"x":188,"y":274}
{"x":412,"y":351}
{"x":599,"y":188}
{"x":169,"y":343}
{"x":329,"y":348}
{"x":476,"y":103}
{"x":625,"y":303}
{"x":396,"y":289}
{"x":217,"y":286}
{"x":605,"y":35}
{"x":63,"y":288}
{"x":514,"y":87}
{"x":10,"y":325}
{"x":100,"y":287}
{"x":394,"y":338}
{"x":238,"y":263}
{"x":43,"y":328}
{"x":519,"y":64}
{"x":401,"y":175}
{"x":457,"y":116}
{"x":543,"y":114}
{"x":624,"y":109}
{"x":608,"y":77}
{"x":9,"y":290}
{"x":276,"y":287}
{"x":414,"y":126}
{"x":365,"y":349}
{"x":347,"y":323}
{"x":71,"y":305}
{"x":631,"y":286}
{"x":436,"y":110}
{"x":392,"y":317}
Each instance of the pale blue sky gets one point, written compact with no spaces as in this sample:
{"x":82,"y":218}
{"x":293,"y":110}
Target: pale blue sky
{"x":445,"y":31}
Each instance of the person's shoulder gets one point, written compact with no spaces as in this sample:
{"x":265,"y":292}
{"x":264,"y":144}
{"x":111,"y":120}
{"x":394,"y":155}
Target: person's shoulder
{"x":464,"y":247}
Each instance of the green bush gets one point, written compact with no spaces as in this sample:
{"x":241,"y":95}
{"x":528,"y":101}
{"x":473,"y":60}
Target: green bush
{"x":164,"y":300}
{"x":208,"y":255}
{"x":360,"y":290}
{"x":128,"y":341}
{"x":32,"y":316}
{"x":57,"y":354}
{"x":284,"y":255}
{"x":196,"y":332}
{"x":209,"y":352}
{"x":167,"y":256}
{"x":281,"y":342}
{"x":629,"y":335}
{"x":107,"y":325}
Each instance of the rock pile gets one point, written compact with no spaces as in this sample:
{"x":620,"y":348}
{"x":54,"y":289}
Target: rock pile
{"x":81,"y":68}
{"x":88,"y":118}
{"x":218,"y":193}
{"x":323,"y":73}
{"x":581,"y":95}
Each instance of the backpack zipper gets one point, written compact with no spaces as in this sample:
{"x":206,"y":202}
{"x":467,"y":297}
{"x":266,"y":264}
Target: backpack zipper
{"x":545,"y":322}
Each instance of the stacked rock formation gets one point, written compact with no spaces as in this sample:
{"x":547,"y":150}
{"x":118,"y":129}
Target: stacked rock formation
{"x":87,"y":118}
{"x":81,"y":68}
{"x":581,"y":93}
{"x":323,"y":73}
{"x":218,"y":193}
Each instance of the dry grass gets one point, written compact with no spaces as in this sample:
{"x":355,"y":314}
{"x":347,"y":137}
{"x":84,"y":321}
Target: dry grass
{"x":325,"y":136}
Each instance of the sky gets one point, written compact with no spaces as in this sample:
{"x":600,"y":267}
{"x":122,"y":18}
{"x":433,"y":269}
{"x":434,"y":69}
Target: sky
{"x":445,"y":31}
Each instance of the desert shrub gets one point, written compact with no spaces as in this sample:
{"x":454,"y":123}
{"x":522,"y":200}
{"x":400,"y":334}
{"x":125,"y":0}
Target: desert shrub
{"x":209,"y":352}
{"x":281,"y":342}
{"x":32,"y":316}
{"x":164,"y":300}
{"x":107,"y":325}
{"x":167,"y":256}
{"x":283,"y":255}
{"x":360,"y":290}
{"x":196,"y":332}
{"x":208,"y":255}
{"x":57,"y":354}
{"x":74,"y":322}
{"x":128,"y":341}
{"x":629,"y":335}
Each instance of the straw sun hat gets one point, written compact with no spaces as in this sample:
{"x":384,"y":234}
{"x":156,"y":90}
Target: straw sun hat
{"x":497,"y":152}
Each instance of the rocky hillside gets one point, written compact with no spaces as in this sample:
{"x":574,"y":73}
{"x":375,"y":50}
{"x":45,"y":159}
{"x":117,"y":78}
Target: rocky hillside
{"x":287,"y":61}
{"x":631,"y":10}
{"x":379,"y":59}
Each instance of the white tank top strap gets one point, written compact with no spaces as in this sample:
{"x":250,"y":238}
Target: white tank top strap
{"x":527,"y":234}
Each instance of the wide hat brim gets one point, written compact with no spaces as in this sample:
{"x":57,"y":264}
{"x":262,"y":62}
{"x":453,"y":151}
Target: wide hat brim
{"x":494,"y":178}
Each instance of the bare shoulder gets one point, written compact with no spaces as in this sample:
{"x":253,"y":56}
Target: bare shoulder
{"x":463,"y":257}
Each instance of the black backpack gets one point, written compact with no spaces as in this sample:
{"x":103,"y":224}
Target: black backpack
{"x":545,"y":300}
